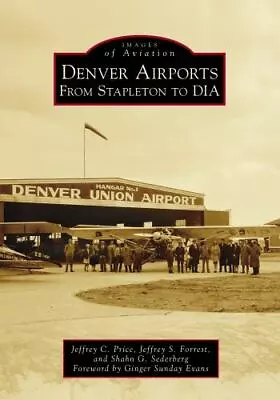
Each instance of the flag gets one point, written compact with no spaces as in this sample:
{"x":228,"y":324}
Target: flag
{"x":90,"y":128}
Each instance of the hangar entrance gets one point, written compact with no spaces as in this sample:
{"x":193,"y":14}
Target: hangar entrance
{"x":71,"y":215}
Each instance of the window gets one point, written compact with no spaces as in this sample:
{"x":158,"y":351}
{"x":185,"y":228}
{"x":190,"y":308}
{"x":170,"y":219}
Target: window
{"x":180,"y":222}
{"x":55,"y":235}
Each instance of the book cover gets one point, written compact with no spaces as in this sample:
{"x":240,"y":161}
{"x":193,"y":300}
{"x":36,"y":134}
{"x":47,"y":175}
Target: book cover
{"x":139,"y":139}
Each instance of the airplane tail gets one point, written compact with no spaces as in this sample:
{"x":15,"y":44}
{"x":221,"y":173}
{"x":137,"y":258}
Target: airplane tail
{"x":275,"y":222}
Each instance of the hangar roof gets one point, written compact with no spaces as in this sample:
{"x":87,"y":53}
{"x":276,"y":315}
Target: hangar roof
{"x":98,"y":180}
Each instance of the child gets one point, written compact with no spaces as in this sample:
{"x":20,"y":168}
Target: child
{"x":86,"y":257}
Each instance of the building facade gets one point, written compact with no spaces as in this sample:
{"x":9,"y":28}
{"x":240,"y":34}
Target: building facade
{"x":103,"y":201}
{"x":274,"y":241}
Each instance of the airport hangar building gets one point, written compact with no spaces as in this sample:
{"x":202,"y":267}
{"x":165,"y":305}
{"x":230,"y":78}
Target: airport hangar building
{"x":101,"y":201}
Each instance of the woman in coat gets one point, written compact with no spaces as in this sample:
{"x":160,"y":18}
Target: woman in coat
{"x":255,"y":253}
{"x":86,"y":256}
{"x":215,"y":255}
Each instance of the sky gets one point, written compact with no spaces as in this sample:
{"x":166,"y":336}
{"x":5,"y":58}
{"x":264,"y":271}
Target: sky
{"x":231,"y":153}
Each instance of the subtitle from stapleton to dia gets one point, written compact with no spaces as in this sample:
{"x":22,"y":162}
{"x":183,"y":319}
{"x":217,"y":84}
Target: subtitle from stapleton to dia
{"x":205,"y":74}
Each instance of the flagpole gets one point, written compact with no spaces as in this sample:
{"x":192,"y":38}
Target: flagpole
{"x":84,"y":152}
{"x":92,"y":129}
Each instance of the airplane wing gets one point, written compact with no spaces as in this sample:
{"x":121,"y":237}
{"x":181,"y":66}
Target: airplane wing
{"x":10,"y":258}
{"x":151,"y":235}
{"x":92,"y":232}
{"x":7,"y":253}
{"x":199,"y":232}
{"x":110,"y":232}
{"x":29,"y":227}
{"x":209,"y":232}
{"x":21,"y":264}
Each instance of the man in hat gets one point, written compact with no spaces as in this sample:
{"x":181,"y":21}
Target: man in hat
{"x":170,"y":257}
{"x":180,"y":255}
{"x":103,"y":257}
{"x":69,"y":251}
{"x":194,"y":253}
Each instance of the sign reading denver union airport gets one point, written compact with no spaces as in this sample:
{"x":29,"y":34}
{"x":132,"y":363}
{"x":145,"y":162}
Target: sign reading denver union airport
{"x":139,"y":70}
{"x":95,"y":192}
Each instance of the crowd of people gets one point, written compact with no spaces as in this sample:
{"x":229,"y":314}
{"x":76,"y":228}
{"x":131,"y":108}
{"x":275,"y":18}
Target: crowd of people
{"x":225,"y":257}
{"x":218,"y":257}
{"x":115,"y":256}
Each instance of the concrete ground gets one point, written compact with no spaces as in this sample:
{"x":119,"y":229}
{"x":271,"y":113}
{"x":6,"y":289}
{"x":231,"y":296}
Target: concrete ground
{"x":39,"y":310}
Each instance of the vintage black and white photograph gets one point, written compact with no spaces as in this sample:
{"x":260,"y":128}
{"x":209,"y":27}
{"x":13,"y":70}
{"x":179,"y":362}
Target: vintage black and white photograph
{"x":139,"y":242}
